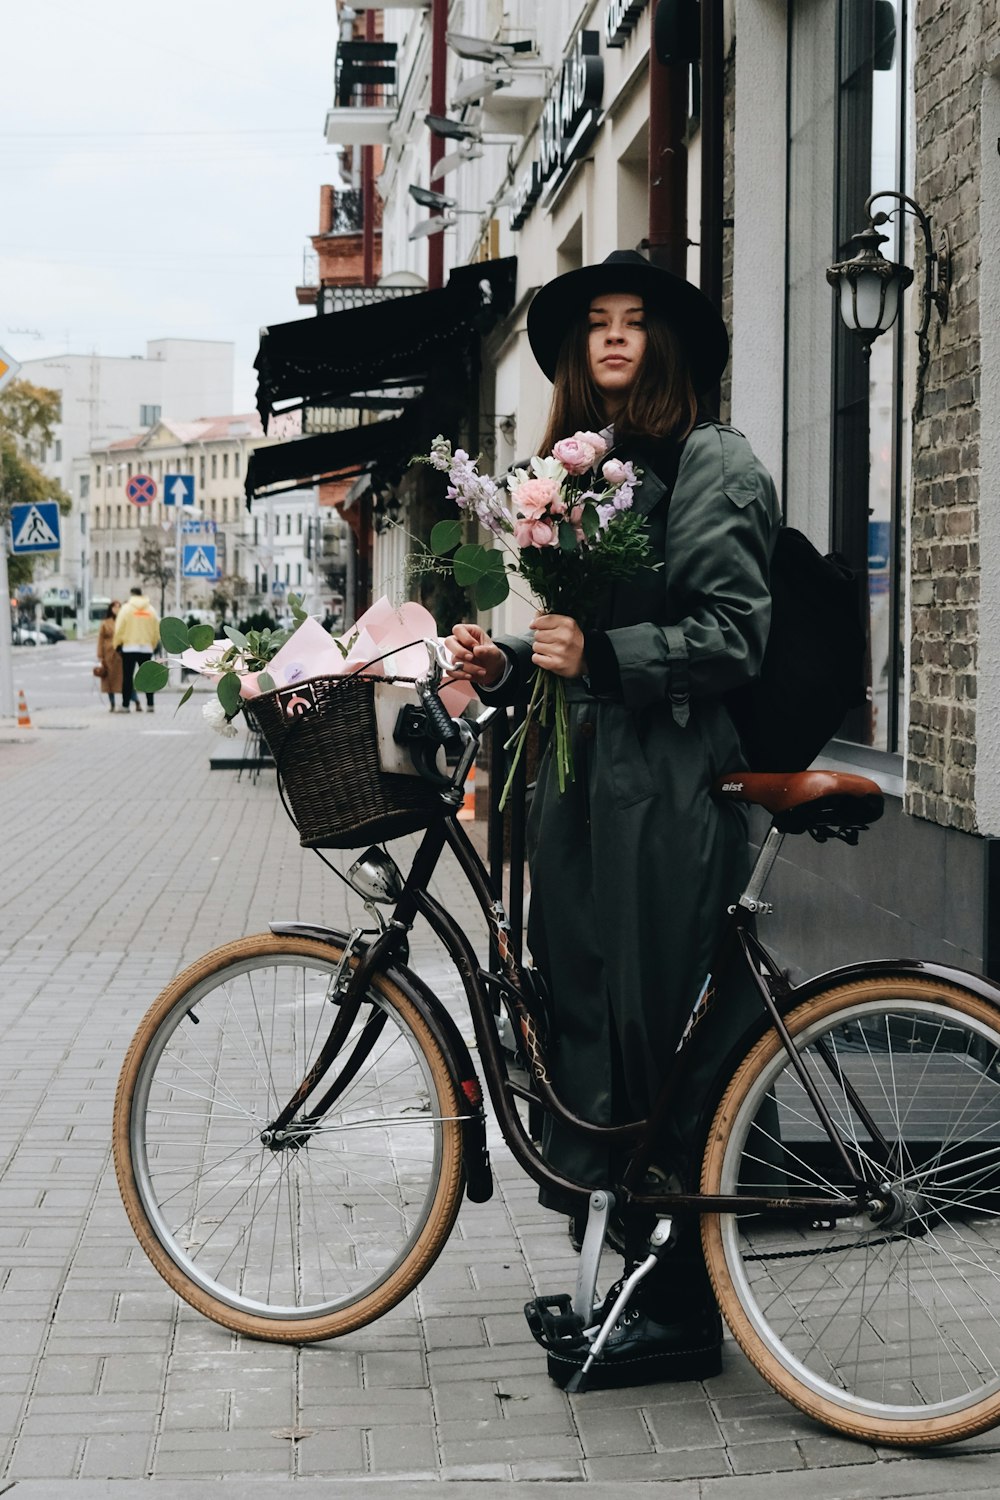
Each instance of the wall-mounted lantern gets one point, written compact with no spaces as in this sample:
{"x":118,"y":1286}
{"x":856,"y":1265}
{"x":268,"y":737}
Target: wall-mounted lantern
{"x":869,"y":286}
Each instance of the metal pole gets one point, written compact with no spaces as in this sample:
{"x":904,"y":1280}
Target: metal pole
{"x":668,"y":103}
{"x":439,"y":106}
{"x":368,"y":188}
{"x":6,"y":642}
{"x":177,"y":557}
{"x":712,"y":106}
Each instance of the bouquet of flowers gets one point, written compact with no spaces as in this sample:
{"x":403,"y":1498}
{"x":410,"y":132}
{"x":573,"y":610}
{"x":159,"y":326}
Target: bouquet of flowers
{"x":565,"y":525}
{"x":245,"y":665}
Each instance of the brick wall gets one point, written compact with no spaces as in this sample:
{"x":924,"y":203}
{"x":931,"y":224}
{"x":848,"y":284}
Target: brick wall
{"x":944,"y":551}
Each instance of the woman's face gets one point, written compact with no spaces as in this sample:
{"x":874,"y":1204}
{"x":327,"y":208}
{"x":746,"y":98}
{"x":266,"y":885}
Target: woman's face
{"x":616,"y":343}
{"x":115,"y":606}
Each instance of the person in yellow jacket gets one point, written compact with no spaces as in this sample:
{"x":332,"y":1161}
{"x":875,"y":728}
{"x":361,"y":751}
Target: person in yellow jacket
{"x":137,"y":635}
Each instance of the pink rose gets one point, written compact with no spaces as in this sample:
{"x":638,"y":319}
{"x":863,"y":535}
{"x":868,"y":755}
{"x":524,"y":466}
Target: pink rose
{"x":534,"y":533}
{"x":595,"y":441}
{"x":536,"y":496}
{"x":614,"y":471}
{"x":576,"y":457}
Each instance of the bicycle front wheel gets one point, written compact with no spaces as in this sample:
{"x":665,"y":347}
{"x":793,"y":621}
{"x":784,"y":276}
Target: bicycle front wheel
{"x":887,"y":1325}
{"x":327,"y":1231}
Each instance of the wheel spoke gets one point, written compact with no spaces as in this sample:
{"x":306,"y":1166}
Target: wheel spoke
{"x":313,"y":1225}
{"x":891,"y":1318}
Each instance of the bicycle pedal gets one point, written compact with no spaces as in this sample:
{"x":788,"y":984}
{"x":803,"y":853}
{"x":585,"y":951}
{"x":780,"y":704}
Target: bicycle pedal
{"x":552,"y":1321}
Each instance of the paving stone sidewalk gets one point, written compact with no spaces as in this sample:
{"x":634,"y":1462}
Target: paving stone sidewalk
{"x":125,"y":857}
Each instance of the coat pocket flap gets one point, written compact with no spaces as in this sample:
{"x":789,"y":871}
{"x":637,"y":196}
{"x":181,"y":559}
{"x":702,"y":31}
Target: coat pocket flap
{"x":741,"y":494}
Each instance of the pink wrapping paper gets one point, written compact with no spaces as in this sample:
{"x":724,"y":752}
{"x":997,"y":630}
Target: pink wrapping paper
{"x":311,"y":652}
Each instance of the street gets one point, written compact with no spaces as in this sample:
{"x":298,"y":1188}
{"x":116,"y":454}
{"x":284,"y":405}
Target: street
{"x":124,"y":858}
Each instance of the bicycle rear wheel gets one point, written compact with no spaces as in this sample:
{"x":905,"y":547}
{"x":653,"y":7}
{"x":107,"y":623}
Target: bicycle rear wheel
{"x":327,"y":1232}
{"x":884,"y":1327}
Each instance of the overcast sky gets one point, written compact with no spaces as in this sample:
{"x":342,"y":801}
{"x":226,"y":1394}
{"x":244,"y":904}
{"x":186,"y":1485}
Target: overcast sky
{"x":160,"y":170}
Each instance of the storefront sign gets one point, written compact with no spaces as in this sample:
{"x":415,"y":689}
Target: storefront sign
{"x":620,"y":17}
{"x":569,"y":119}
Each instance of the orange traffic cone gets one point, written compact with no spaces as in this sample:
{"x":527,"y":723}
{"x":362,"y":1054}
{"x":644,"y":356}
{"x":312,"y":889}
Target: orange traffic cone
{"x":23,"y":716}
{"x":467,"y":811}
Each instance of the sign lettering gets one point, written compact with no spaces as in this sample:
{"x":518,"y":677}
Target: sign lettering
{"x":569,"y":118}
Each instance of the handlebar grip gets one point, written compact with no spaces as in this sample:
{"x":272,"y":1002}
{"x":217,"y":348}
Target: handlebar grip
{"x":441,"y":728}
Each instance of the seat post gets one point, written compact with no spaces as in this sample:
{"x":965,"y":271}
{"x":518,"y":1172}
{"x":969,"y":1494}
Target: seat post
{"x":769,"y":851}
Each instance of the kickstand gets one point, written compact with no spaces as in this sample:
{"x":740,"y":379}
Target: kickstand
{"x":658,"y":1241}
{"x":598,"y":1213}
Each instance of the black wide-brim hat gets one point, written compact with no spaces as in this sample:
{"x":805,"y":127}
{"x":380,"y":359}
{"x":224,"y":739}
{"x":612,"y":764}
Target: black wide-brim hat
{"x":694,"y":319}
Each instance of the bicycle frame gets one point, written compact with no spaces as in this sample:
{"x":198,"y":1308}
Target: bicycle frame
{"x":511,"y":987}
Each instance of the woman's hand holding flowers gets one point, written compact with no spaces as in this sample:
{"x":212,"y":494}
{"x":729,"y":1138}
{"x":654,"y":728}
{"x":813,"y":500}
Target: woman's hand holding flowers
{"x":558,"y":645}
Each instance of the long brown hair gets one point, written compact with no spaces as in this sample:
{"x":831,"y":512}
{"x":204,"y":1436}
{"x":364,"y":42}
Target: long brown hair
{"x":661,"y":402}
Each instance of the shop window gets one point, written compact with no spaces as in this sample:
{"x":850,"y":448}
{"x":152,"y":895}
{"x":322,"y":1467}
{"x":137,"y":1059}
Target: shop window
{"x":845,"y":417}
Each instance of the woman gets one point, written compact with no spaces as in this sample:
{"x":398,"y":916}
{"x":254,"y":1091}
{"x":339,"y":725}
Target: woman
{"x":633,"y":866}
{"x":107,"y":656}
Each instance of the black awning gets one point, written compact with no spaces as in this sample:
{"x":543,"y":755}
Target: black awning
{"x":306,"y":460}
{"x":392,"y":343}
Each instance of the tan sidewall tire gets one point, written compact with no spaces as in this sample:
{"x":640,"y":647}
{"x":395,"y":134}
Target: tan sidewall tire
{"x":978,"y":1418}
{"x":447,"y":1198}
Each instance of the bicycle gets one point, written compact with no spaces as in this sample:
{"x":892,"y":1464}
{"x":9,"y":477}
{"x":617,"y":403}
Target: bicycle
{"x":298,"y":1118}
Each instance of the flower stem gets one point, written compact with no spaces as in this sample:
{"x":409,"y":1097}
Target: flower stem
{"x":536,"y":703}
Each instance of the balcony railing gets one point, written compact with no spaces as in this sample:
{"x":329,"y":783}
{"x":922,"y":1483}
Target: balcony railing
{"x":364,"y":94}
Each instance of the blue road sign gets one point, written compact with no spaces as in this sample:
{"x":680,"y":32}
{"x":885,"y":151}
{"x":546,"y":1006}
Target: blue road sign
{"x":35,"y":527}
{"x":199,"y":561}
{"x":178,"y":489}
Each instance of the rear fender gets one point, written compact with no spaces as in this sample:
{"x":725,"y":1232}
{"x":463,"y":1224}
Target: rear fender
{"x":478,"y":1174}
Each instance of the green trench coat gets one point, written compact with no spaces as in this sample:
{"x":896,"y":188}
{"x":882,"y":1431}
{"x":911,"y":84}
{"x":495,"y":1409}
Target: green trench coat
{"x":633,"y":866}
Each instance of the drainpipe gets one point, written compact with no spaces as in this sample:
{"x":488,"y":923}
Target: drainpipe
{"x":712,"y":106}
{"x":668,"y":101}
{"x":368,"y":188}
{"x":439,"y":106}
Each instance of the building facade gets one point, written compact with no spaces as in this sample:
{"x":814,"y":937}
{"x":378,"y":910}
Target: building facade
{"x":745,"y":143}
{"x":105,"y":399}
{"x":260,"y":556}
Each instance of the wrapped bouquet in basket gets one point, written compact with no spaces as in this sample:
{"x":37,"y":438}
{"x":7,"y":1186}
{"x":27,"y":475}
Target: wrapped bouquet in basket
{"x":330,"y":709}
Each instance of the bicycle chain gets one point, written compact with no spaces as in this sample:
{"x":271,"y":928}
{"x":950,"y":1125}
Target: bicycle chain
{"x":891,"y":1239}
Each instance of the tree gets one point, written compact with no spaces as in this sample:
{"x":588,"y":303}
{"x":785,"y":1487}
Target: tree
{"x":228,"y":594}
{"x":28,"y":414}
{"x":152,"y":566}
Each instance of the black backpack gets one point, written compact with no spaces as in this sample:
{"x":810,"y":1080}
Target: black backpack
{"x":814,"y":669}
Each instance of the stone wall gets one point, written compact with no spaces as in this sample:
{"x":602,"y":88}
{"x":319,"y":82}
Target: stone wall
{"x":944,"y":550}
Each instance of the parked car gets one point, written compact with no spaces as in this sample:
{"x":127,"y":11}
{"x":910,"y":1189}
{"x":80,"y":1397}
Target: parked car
{"x":51,"y":632}
{"x":24,"y":635}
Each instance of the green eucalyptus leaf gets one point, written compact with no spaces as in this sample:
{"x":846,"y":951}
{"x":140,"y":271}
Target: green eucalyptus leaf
{"x":201,"y":637}
{"x":184,"y":697}
{"x":474,"y":561}
{"x":266,"y":682}
{"x":228,"y":690}
{"x":174,"y":634}
{"x":590,"y":521}
{"x":236,"y":636}
{"x":491,"y":590}
{"x":567,"y":536}
{"x":444,"y":536}
{"x":151,"y":677}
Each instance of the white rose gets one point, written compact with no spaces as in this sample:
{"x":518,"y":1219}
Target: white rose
{"x":214,"y":714}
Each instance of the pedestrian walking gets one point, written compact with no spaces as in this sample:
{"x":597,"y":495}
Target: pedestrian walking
{"x":108,"y":660}
{"x":137,"y":635}
{"x":633,"y":865}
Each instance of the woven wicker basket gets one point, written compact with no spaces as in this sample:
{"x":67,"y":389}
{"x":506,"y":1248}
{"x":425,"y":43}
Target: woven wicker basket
{"x":324,"y":739}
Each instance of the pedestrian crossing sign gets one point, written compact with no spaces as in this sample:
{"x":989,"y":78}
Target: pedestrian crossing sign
{"x":35,"y":527}
{"x":199,"y":561}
